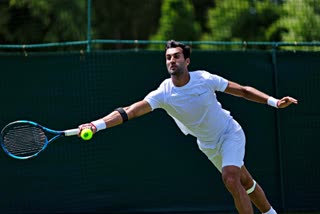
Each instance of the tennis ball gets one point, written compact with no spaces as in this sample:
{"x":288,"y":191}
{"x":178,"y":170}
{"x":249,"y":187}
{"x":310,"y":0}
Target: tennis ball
{"x":86,"y":134}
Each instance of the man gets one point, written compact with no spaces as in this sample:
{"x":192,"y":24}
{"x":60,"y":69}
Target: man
{"x":190,"y":99}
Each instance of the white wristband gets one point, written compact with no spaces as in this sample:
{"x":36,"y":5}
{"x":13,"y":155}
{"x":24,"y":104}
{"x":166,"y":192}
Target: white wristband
{"x":273,"y":102}
{"x":99,"y":124}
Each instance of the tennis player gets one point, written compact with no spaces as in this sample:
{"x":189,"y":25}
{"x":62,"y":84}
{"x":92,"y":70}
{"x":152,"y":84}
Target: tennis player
{"x":190,"y":99}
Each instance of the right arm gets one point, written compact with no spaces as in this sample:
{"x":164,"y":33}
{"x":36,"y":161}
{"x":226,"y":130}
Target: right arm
{"x":114,"y":118}
{"x":255,"y":95}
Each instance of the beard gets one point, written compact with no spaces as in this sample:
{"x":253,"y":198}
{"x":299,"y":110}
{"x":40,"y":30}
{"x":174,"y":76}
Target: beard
{"x":177,"y":71}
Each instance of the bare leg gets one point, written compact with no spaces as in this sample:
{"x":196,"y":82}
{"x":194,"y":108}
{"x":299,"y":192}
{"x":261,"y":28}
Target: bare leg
{"x":231,"y":177}
{"x":257,"y":197}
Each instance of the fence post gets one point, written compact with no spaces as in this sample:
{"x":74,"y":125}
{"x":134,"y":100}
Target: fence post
{"x":277,"y":125}
{"x":88,"y":25}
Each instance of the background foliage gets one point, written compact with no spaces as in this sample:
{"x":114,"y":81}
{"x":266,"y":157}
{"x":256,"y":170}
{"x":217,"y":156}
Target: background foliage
{"x":41,"y":21}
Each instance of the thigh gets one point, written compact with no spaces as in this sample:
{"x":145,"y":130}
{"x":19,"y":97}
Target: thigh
{"x":233,"y":146}
{"x":229,"y":150}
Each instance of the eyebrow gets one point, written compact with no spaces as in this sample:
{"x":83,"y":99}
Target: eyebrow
{"x":176,"y":53}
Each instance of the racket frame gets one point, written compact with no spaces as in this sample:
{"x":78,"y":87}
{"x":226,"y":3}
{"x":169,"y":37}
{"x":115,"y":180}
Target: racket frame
{"x":58,"y":134}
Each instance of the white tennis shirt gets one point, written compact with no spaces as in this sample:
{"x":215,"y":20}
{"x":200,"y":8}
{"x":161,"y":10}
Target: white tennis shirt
{"x":194,"y":106}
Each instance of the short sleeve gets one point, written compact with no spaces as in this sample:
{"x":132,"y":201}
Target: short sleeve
{"x":217,"y":83}
{"x":156,"y":98}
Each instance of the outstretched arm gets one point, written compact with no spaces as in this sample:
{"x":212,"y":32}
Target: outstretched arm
{"x":115,"y":118}
{"x":255,"y":95}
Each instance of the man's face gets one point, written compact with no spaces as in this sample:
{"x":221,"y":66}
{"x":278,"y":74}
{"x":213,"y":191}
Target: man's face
{"x":175,"y":61}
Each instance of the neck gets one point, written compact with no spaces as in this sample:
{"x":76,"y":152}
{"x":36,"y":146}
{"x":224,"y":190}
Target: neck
{"x":180,"y":80}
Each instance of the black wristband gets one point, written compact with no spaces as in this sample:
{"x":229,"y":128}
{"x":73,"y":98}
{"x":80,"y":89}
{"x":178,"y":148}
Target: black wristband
{"x":122,"y":113}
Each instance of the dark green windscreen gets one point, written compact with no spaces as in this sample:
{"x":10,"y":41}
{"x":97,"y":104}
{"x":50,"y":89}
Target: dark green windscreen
{"x":147,"y":164}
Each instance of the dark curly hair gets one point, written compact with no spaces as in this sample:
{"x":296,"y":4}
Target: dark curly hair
{"x":174,"y":44}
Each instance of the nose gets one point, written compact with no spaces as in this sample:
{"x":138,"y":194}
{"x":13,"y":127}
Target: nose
{"x":172,"y":59}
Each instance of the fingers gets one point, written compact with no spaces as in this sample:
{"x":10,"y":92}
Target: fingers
{"x":290,"y":100}
{"x":286,"y":101}
{"x":87,"y":126}
{"x":293,"y":100}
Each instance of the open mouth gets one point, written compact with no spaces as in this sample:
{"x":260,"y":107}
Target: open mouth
{"x":173,"y":67}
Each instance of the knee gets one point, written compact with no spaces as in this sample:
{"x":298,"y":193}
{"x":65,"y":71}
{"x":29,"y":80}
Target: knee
{"x":231,"y":182}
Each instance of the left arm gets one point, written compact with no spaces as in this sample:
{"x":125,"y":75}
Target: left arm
{"x":255,"y":95}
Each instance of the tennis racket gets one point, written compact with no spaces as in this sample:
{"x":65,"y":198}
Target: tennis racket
{"x":25,"y":139}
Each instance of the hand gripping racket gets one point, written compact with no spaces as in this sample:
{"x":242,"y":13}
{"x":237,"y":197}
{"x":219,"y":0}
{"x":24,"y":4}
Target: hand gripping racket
{"x":25,"y":139}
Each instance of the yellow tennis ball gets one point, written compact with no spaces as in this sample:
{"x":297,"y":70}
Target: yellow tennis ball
{"x":86,"y":134}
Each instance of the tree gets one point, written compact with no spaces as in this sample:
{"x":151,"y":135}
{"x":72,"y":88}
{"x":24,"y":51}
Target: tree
{"x":244,"y":20}
{"x":39,"y":21}
{"x":42,"y":21}
{"x":177,"y":22}
{"x":300,"y":21}
{"x":125,"y":19}
{"x":201,"y":9}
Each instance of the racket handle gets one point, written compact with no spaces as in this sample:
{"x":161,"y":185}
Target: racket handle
{"x":71,"y":132}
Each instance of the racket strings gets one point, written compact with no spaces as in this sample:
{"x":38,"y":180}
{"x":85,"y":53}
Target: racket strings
{"x":24,"y":140}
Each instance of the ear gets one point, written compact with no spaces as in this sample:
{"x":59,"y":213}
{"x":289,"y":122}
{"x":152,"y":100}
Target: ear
{"x":188,"y":61}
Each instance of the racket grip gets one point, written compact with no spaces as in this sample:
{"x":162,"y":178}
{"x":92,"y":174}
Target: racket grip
{"x":71,"y":132}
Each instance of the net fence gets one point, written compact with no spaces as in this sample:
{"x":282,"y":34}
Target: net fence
{"x":52,"y":81}
{"x":43,"y":25}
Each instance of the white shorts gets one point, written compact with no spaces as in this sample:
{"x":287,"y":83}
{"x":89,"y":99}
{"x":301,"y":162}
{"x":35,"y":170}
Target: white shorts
{"x":230,"y":148}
